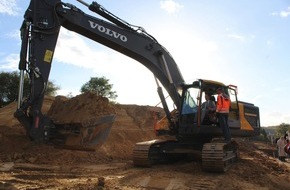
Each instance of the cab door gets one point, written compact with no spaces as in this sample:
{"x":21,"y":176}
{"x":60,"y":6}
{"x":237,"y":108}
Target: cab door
{"x":234,"y":116}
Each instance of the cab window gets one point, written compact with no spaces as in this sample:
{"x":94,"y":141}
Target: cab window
{"x":189,"y":105}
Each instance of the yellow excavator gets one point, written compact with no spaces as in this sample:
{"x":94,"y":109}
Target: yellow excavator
{"x":190,"y":129}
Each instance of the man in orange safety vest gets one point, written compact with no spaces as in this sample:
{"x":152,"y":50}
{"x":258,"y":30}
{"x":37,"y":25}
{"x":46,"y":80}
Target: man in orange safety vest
{"x":222,"y":110}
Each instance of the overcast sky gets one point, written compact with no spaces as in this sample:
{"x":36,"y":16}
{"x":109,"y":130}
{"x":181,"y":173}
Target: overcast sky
{"x":240,"y":42}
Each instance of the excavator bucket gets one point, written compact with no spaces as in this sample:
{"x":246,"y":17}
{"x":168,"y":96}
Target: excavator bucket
{"x":87,"y":135}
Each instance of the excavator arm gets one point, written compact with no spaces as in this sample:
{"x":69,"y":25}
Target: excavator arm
{"x":39,"y":33}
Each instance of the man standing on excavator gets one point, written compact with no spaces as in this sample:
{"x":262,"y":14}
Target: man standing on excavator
{"x":222,"y":110}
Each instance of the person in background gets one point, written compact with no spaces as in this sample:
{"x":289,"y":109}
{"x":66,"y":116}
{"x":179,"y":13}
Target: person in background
{"x":287,"y":146}
{"x":281,"y":143}
{"x":286,"y":136}
{"x":222,"y":110}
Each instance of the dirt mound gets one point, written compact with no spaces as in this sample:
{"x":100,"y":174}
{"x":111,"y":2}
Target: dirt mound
{"x":133,"y":124}
{"x":7,"y":113}
{"x":79,"y":108}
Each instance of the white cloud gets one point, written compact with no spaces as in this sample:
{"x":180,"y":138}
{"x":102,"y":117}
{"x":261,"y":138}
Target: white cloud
{"x":232,"y":34}
{"x":237,"y":37}
{"x":14,"y":34}
{"x":195,"y":56}
{"x":9,"y":7}
{"x":74,"y":49}
{"x":10,"y":62}
{"x":170,"y":6}
{"x":79,"y":51}
{"x":80,"y":54}
{"x":241,"y":38}
{"x":283,"y":13}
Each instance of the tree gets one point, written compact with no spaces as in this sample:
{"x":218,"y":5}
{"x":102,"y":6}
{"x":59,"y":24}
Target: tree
{"x":99,"y":86}
{"x":263,"y":135}
{"x":9,"y":87}
{"x":282,"y":129}
{"x":51,"y":89}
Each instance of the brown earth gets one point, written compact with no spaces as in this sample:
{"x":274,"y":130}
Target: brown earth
{"x":26,"y":165}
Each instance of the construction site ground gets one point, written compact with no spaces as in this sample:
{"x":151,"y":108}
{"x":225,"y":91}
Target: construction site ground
{"x":27,"y":165}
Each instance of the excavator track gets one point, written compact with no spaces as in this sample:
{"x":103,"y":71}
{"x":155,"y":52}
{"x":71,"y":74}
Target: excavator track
{"x":147,"y":153}
{"x":218,"y":157}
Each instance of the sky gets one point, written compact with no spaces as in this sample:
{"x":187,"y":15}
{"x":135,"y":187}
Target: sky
{"x":240,"y":42}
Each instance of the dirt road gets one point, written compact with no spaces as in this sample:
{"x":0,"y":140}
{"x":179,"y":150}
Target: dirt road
{"x":255,"y":170}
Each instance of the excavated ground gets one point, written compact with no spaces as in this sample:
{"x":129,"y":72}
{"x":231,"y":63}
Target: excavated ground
{"x":26,"y":165}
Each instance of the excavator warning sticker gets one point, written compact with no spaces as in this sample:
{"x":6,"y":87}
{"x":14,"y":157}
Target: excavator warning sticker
{"x":48,"y":56}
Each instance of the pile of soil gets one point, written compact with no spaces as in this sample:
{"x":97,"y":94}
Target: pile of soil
{"x":27,"y":165}
{"x":79,"y":108}
{"x":132,"y":124}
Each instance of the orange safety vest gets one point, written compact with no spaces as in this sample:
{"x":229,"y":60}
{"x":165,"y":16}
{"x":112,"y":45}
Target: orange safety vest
{"x":223,"y":103}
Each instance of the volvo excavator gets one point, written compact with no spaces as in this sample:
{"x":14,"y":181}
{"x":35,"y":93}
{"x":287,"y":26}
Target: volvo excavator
{"x":190,"y":129}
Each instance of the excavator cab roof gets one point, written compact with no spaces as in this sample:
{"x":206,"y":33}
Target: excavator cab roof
{"x":208,"y":86}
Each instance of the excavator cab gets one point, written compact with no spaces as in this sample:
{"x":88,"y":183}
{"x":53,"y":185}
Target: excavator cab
{"x":194,"y":107}
{"x":192,"y":123}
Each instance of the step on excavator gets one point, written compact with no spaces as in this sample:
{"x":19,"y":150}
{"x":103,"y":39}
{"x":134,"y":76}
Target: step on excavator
{"x":187,"y":129}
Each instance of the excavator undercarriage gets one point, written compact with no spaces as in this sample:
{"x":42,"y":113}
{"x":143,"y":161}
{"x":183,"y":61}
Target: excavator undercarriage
{"x":215,"y":156}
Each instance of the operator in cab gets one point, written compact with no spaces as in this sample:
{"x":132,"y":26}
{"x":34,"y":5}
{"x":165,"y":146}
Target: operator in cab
{"x":207,"y":108}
